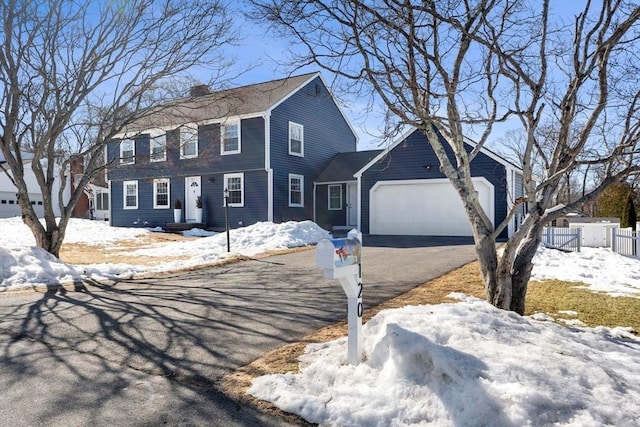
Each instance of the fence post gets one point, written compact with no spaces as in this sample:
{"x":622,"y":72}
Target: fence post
{"x":613,"y":239}
{"x":637,"y":239}
{"x":579,"y":238}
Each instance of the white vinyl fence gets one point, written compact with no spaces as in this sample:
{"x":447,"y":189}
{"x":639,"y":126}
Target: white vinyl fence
{"x":562,"y":238}
{"x":625,"y":241}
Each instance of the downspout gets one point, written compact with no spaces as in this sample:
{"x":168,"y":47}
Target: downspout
{"x":314,"y":202}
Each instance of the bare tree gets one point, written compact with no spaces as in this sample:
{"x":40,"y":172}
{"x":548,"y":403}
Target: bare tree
{"x":74,"y":74}
{"x":459,"y":67}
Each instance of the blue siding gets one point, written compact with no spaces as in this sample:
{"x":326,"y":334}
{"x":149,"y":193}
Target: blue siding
{"x":209,"y":164}
{"x":415,"y":159}
{"x":325,"y":133}
{"x":324,"y":217}
{"x":213,"y":214}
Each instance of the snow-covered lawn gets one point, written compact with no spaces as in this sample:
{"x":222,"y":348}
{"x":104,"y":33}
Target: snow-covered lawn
{"x":23,"y":265}
{"x":462,"y":364}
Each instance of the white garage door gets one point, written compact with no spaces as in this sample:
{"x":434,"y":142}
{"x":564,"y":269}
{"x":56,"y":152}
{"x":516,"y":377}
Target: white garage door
{"x":424,"y":207}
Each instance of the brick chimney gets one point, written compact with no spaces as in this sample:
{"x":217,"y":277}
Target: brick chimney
{"x":199,"y":90}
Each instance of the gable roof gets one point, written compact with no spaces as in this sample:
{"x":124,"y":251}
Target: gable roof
{"x":241,"y":101}
{"x":507,"y":164}
{"x":343,"y":166}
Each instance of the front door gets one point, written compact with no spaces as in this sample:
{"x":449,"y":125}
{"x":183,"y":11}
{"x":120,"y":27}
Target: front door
{"x":192,"y":191}
{"x":352,"y":204}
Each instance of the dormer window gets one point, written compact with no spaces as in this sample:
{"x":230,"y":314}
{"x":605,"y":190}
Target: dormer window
{"x":127,"y":152}
{"x":296,"y":139}
{"x":230,"y":138}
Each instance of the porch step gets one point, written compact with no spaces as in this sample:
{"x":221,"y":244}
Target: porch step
{"x":173,"y":227}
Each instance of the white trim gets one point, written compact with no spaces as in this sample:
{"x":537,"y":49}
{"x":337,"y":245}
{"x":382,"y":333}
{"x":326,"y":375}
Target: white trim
{"x":132,"y":159}
{"x":124,"y":195}
{"x":293,"y":125}
{"x":301,"y":178}
{"x":267,"y":164}
{"x":230,"y":123}
{"x":329,"y":197}
{"x":359,"y":214}
{"x":510,"y":199}
{"x":110,"y":203}
{"x":155,"y":193}
{"x":225,"y":178}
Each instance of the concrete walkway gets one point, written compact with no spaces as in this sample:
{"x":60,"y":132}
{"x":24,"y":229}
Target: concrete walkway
{"x":151,"y":352}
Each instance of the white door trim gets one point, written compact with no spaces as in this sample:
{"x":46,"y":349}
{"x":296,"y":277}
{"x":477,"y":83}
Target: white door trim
{"x":192,"y":189}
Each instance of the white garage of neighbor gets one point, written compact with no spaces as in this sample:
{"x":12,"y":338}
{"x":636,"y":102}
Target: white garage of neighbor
{"x":429,"y":207}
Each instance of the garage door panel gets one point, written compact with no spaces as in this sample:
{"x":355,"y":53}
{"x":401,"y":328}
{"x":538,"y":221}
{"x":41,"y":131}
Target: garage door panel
{"x":423,"y":207}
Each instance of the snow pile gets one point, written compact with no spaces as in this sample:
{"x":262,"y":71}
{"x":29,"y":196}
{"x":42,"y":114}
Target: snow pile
{"x":465,"y":364}
{"x":15,"y":234}
{"x":600,"y":268}
{"x":23,"y":265}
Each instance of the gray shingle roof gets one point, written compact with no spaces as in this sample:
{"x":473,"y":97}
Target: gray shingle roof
{"x":342,"y":167}
{"x":244,"y":100}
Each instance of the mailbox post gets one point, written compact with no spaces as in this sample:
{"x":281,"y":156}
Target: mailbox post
{"x":341,"y":259}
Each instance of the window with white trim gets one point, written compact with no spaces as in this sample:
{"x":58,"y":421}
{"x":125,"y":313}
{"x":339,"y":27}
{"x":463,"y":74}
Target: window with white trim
{"x":234,"y":186}
{"x":230,"y":138}
{"x":130,"y":194}
{"x":296,"y":190}
{"x":188,"y":142}
{"x":158,"y":148}
{"x":161,"y":193}
{"x":335,"y":197}
{"x":127,"y":151}
{"x":296,"y":139}
{"x":102,"y":201}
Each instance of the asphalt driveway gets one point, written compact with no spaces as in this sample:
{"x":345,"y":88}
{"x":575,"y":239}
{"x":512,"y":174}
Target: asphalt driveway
{"x":151,"y":352}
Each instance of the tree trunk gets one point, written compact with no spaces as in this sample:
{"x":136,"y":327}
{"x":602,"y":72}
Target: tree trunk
{"x":498,"y":291}
{"x":521,"y":271}
{"x":49,"y":238}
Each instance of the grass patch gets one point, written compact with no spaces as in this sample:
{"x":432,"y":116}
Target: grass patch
{"x":594,"y":309}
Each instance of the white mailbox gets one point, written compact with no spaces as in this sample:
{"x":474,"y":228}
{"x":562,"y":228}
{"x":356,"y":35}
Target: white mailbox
{"x":341,"y":259}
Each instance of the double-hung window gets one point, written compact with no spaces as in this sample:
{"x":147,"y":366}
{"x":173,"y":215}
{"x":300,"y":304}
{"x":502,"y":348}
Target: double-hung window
{"x":161,"y":193}
{"x":188,"y":142}
{"x":127,"y":151}
{"x":296,"y":190}
{"x":158,"y":148}
{"x":234,"y":189}
{"x":230,"y":138}
{"x":296,"y":139}
{"x":335,"y":197}
{"x":102,"y":201}
{"x":130,"y":194}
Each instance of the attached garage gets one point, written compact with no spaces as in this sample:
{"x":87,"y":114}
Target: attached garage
{"x":403,"y":192}
{"x":428,"y":207}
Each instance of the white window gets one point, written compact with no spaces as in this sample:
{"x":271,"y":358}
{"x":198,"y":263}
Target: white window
{"x":127,"y":151}
{"x":188,"y":142}
{"x":296,"y":139}
{"x":234,"y":189}
{"x":296,"y":190}
{"x":161,"y":194}
{"x":230,"y":138}
{"x":158,"y":148}
{"x":130,"y":194}
{"x":335,"y":197}
{"x":102,"y":201}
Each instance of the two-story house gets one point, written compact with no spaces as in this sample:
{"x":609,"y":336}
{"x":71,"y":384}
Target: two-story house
{"x":259,"y":147}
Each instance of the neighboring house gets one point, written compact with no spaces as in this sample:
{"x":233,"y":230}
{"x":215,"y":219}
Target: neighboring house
{"x":262,"y":144}
{"x":8,"y":193}
{"x":93,"y":202}
{"x":401,"y":190}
